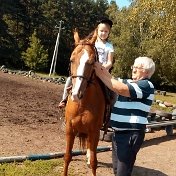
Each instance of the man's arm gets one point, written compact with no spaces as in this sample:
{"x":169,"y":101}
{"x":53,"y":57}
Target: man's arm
{"x":113,"y":84}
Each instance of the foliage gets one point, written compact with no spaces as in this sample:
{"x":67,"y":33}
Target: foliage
{"x":19,"y":19}
{"x":7,"y":46}
{"x":35,"y":56}
{"x":145,"y":28}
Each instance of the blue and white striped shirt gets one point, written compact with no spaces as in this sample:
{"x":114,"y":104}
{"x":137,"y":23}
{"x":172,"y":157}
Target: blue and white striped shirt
{"x":131,"y":112}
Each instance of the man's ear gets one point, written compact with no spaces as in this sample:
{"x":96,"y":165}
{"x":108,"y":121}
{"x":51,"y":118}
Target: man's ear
{"x":146,"y":73}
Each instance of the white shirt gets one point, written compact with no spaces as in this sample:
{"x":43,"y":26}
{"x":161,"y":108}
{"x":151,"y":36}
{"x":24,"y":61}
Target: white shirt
{"x":103,"y":50}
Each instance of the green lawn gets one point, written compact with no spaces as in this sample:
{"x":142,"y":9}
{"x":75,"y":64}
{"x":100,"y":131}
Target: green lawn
{"x":169,"y":97}
{"x":34,"y":168}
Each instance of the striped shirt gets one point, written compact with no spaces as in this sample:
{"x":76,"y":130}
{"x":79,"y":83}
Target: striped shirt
{"x":130,"y":113}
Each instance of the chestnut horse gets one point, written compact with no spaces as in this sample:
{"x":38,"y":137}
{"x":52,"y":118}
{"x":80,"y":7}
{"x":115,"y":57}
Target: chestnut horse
{"x":85,"y":107}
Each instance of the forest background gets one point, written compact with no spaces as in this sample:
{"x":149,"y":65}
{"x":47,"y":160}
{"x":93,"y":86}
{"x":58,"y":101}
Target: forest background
{"x":29,"y":28}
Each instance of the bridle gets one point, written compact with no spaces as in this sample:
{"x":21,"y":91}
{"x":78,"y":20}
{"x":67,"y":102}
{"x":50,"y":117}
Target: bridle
{"x":96,"y":59}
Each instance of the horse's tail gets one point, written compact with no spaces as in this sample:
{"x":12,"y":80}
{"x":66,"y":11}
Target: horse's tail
{"x":82,"y":141}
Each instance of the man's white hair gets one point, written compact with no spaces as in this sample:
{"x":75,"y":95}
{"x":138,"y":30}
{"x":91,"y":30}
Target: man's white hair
{"x":146,"y":63}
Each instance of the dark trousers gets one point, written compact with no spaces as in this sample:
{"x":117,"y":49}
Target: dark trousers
{"x":125,"y":146}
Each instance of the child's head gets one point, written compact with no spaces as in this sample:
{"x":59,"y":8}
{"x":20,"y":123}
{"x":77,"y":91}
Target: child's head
{"x":104,"y":27}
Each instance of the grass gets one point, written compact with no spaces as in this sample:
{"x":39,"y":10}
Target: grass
{"x":34,"y":168}
{"x":169,"y":97}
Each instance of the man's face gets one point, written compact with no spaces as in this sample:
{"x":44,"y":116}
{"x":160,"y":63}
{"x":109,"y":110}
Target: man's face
{"x":138,"y":72}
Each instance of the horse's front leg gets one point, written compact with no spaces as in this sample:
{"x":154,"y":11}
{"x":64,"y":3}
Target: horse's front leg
{"x":88,"y":156}
{"x":92,"y":152}
{"x":68,"y":153}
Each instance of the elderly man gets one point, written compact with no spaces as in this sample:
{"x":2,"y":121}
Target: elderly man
{"x":129,"y":114}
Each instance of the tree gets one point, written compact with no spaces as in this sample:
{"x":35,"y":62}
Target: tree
{"x":35,"y":57}
{"x":8,"y":47}
{"x":74,"y":14}
{"x":146,"y":28}
{"x":122,"y":37}
{"x":156,"y":23}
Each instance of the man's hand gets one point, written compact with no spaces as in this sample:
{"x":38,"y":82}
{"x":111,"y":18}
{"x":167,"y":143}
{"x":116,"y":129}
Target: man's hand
{"x":100,"y":70}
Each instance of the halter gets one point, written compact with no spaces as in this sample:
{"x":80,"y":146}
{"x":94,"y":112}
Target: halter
{"x":96,"y":59}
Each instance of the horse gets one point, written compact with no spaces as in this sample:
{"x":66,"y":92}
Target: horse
{"x":84,"y":111}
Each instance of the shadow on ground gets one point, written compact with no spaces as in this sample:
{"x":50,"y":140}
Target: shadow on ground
{"x":158,"y":140}
{"x":141,"y":171}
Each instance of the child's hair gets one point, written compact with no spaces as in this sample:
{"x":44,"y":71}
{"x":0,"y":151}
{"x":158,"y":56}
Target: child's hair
{"x":105,"y":21}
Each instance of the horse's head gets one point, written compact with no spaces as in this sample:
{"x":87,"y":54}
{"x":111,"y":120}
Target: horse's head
{"x":82,"y":60}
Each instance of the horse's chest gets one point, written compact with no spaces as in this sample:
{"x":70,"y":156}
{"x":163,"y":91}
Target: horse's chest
{"x":82,"y":120}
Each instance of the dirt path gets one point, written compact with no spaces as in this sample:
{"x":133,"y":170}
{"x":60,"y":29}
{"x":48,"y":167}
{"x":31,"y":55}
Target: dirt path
{"x":30,"y":124}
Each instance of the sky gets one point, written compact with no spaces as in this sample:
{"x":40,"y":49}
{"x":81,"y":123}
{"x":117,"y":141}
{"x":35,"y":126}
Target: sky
{"x":122,"y":3}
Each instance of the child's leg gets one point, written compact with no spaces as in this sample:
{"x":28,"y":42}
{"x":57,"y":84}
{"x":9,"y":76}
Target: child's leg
{"x":67,"y":84}
{"x":65,"y":94}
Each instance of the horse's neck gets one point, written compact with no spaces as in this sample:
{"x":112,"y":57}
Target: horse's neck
{"x":96,"y":80}
{"x":97,"y":83}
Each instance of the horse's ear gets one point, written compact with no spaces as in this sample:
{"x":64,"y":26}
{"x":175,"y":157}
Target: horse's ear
{"x":94,"y":37}
{"x":76,"y":36}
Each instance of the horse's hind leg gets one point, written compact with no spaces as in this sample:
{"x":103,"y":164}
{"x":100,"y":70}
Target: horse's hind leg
{"x":68,"y":154}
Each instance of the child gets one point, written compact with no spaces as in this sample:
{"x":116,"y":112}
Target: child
{"x":105,"y":52}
